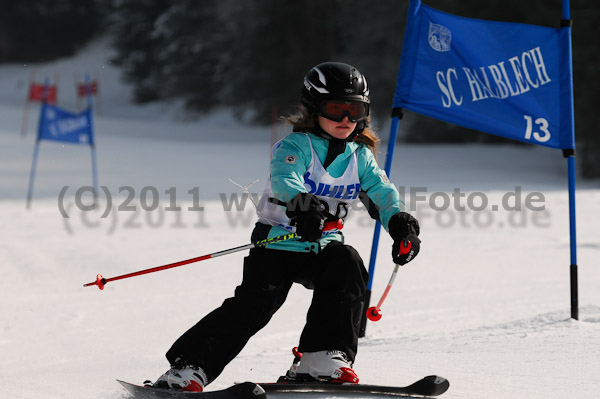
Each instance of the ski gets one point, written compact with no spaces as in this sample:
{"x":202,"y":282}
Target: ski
{"x":429,"y":386}
{"x":244,"y":390}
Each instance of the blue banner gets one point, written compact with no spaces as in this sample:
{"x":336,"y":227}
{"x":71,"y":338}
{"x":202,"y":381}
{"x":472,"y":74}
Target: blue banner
{"x":508,"y":79}
{"x":60,"y":125}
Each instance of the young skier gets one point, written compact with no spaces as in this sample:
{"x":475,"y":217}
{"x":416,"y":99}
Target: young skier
{"x":316,"y":173}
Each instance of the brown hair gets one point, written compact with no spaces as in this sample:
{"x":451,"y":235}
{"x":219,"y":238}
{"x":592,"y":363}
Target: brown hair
{"x":304,"y":120}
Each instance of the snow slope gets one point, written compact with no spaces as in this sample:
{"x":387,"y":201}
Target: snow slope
{"x":486,"y":303}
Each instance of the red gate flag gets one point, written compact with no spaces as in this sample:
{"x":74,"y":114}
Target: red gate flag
{"x":36,"y":93}
{"x":82,"y":88}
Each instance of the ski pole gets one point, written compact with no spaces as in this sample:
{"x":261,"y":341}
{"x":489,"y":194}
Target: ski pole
{"x":101,"y":281}
{"x":374,"y":312}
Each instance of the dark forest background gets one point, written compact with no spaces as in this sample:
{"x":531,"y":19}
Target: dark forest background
{"x":251,"y":55}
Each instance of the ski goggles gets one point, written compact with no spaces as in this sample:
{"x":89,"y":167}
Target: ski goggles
{"x":356,"y":111}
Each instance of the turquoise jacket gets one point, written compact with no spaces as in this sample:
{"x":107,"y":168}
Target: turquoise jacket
{"x":287,"y":180}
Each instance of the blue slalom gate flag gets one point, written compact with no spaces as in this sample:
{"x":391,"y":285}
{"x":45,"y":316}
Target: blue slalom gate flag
{"x":509,"y":79}
{"x":57,"y":124}
{"x":60,"y":125}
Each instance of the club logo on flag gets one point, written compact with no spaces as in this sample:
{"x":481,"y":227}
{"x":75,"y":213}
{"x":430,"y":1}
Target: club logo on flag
{"x":50,"y":114}
{"x":439,"y":37}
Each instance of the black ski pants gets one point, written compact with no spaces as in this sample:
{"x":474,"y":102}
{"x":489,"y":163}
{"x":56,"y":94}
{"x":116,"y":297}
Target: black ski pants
{"x":338,"y":277}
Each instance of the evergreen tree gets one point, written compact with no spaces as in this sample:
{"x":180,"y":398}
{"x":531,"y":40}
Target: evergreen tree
{"x":274,"y":47}
{"x":38,"y":30}
{"x":172,"y":50}
{"x":138,"y":42}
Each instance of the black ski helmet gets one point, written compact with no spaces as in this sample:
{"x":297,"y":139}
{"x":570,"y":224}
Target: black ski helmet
{"x":333,"y":81}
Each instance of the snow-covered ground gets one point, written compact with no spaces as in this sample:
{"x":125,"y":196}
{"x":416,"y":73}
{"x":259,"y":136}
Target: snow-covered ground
{"x":486,"y":303}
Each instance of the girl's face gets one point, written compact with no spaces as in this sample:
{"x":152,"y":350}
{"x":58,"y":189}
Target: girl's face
{"x":338,"y":130}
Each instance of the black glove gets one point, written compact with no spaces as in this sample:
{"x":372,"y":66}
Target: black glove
{"x":308,"y":214}
{"x":404,"y":229}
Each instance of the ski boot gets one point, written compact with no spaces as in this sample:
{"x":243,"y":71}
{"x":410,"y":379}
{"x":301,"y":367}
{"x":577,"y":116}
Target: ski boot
{"x":329,"y":366}
{"x":185,"y":378}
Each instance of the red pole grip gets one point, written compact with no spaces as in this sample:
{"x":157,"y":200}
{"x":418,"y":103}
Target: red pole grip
{"x":336,"y":224}
{"x":405,"y":247}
